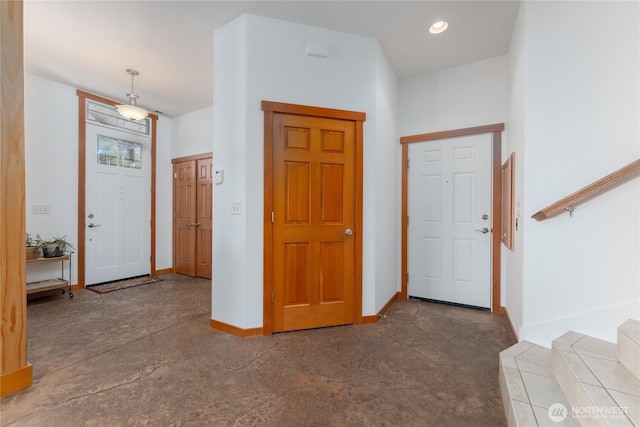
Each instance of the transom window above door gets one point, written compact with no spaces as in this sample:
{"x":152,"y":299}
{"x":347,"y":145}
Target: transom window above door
{"x":106,"y":115}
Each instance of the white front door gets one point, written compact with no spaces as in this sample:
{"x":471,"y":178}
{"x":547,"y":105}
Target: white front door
{"x":449,"y":230}
{"x":118,"y":204}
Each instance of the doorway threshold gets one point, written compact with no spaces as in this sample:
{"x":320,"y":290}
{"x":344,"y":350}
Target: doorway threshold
{"x":455,"y":304}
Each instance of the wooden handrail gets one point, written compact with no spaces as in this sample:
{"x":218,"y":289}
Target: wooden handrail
{"x":567,"y":203}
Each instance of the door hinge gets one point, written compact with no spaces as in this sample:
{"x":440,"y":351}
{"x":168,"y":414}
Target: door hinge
{"x":273,"y":217}
{"x":407,"y":163}
{"x":407,"y":277}
{"x":273,"y":297}
{"x":175,"y":175}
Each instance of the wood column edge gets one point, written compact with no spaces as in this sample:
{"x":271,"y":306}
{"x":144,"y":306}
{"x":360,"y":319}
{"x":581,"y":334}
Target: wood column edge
{"x":234,"y":330}
{"x":16,"y":380}
{"x":514,"y":335}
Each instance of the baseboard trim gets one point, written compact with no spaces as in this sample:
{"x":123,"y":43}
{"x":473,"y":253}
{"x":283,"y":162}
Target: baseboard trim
{"x":258,"y":332}
{"x":16,"y":380}
{"x":163,"y":271}
{"x":369,"y":320}
{"x":510,"y":324}
{"x":234,"y":330}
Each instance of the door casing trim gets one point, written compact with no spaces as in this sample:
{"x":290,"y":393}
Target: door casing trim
{"x":496,"y":200}
{"x":208,"y":155}
{"x":82,"y":97}
{"x":270,"y":108}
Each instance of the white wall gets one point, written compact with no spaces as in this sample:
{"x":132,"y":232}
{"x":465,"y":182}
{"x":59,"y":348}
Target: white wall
{"x":259,"y":59}
{"x":51,"y":157}
{"x":581,"y":107}
{"x":164,"y":194}
{"x":229,"y":281}
{"x":192,"y":133}
{"x":473,"y":94}
{"x":513,"y":286}
{"x":384,"y":173}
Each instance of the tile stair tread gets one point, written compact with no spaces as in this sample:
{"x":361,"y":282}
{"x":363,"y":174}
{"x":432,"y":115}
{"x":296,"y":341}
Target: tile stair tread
{"x":603,"y":381}
{"x":528,"y":387}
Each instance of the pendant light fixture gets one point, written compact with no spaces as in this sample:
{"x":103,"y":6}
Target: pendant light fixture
{"x":131,"y":111}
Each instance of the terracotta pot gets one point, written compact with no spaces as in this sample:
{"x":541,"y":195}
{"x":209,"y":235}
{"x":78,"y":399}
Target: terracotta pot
{"x":32,"y":252}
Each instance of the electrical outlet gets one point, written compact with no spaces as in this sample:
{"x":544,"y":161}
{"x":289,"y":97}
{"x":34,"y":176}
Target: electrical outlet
{"x":40,"y":209}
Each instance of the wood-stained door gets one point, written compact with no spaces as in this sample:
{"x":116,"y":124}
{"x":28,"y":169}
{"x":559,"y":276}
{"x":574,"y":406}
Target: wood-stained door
{"x":192,"y":216}
{"x":204,"y":217}
{"x":314,"y":221}
{"x":184,"y":217}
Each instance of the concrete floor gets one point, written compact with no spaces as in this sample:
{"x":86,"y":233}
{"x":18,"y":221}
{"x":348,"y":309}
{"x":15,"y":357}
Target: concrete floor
{"x":147,"y":356}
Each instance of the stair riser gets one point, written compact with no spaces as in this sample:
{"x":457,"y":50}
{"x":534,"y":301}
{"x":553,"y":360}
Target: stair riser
{"x":572,"y":389}
{"x":519,"y":414}
{"x":629,"y":353}
{"x":504,"y":392}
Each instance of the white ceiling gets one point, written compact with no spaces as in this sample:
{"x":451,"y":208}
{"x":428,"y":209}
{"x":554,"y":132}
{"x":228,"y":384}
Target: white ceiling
{"x":90,"y":44}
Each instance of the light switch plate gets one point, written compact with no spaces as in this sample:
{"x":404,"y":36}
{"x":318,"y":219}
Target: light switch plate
{"x":235,"y":208}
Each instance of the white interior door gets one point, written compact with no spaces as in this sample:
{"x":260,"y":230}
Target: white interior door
{"x":118,"y":204}
{"x":449,"y":234}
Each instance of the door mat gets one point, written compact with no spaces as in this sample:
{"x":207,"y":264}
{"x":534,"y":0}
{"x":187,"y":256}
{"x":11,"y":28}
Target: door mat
{"x":117,"y":285}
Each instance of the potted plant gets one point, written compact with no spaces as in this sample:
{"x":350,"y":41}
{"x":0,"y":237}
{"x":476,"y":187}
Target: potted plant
{"x":32,"y":247}
{"x":54,"y":247}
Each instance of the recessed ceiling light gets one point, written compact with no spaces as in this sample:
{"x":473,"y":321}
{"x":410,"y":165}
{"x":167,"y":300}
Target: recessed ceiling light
{"x":438,"y":27}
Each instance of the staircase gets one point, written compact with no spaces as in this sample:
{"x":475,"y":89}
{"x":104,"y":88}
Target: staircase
{"x":581,"y":381}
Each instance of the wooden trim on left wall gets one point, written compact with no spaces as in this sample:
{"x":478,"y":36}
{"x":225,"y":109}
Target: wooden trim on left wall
{"x":82,"y":97}
{"x":15,"y":372}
